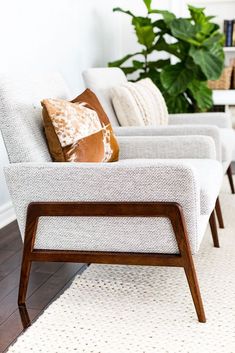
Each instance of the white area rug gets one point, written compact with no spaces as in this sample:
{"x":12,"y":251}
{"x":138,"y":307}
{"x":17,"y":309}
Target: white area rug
{"x":124,"y":309}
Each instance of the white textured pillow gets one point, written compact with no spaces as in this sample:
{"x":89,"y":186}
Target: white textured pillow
{"x":139,"y":104}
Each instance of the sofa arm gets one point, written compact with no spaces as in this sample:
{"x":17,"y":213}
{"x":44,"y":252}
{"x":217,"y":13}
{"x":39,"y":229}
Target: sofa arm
{"x":168,"y":147}
{"x":221,"y":120}
{"x":177,"y":130}
{"x":127,"y":180}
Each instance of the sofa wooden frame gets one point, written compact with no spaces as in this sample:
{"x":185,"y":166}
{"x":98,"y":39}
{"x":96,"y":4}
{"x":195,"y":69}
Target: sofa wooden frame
{"x":170,"y":210}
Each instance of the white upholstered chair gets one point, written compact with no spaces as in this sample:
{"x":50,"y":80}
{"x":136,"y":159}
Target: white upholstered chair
{"x":143,"y":210}
{"x":216,"y":125}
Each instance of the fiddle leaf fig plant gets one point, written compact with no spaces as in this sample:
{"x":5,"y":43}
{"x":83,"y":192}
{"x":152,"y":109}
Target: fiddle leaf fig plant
{"x":195,"y":42}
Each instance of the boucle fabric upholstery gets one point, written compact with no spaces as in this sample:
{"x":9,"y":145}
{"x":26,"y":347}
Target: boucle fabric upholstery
{"x":221,"y":120}
{"x":20,"y":114}
{"x":100,"y":82}
{"x":228,"y":143}
{"x":139,"y":104}
{"x":200,"y":147}
{"x":145,"y":180}
{"x":184,"y":130}
{"x":206,"y":171}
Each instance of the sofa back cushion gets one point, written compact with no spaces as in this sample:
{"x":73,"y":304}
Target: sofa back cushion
{"x":79,"y":131}
{"x":20,"y":114}
{"x":100,"y":80}
{"x":139,"y":104}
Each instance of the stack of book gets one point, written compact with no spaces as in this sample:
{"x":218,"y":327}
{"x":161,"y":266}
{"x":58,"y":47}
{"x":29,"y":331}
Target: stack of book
{"x":229,"y":31}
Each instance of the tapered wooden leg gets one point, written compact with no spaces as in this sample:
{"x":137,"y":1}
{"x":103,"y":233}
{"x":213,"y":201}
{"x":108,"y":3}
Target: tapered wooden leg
{"x":188,"y":264}
{"x":219,"y":213}
{"x":195,"y":291}
{"x":24,"y":315}
{"x":24,"y":280}
{"x":214,"y":230}
{"x":230,"y":178}
{"x":29,"y":239}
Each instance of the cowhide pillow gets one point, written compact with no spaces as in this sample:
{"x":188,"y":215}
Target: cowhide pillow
{"x":79,"y":131}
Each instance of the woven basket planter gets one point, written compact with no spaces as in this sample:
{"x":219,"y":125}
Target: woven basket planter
{"x":233,"y":76}
{"x":224,"y":82}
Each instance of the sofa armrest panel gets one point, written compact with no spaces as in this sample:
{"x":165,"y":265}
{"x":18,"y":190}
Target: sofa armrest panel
{"x":176,"y":130}
{"x":123,"y":181}
{"x":167,"y":147}
{"x":221,"y":120}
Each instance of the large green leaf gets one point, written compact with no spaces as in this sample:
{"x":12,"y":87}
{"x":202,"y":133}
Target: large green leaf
{"x":178,"y":104}
{"x":161,"y":24}
{"x":201,"y":94}
{"x":167,"y":16}
{"x":119,"y":62}
{"x":128,"y":70}
{"x":159,"y":64}
{"x":183,"y":29}
{"x":118,"y":9}
{"x":197,"y":14}
{"x":141,"y":21}
{"x":144,"y":31}
{"x":214,"y":39}
{"x":154,"y":75}
{"x":138,"y":64}
{"x":148,"y":4}
{"x":173,"y":49}
{"x":175,"y":78}
{"x":211,"y":60}
{"x":198,"y":74}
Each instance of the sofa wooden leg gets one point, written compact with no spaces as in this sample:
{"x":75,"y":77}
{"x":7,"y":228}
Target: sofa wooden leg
{"x":230,"y":178}
{"x":181,"y":234}
{"x":29,"y":239}
{"x":219,"y":213}
{"x":24,"y":280}
{"x":214,"y":231}
{"x":195,"y":292}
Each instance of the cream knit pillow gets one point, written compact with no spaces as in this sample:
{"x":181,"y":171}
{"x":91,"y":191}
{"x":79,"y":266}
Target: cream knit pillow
{"x":139,"y":104}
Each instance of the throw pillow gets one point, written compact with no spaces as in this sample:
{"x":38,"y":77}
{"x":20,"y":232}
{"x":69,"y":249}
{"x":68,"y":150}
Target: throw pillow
{"x":79,"y":131}
{"x":139,"y":104}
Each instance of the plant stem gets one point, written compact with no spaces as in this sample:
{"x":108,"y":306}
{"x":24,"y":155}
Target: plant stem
{"x":145,"y":62}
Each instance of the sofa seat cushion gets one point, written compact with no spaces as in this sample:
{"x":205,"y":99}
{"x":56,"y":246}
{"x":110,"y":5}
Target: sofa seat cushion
{"x":228,"y":144}
{"x":210,"y":176}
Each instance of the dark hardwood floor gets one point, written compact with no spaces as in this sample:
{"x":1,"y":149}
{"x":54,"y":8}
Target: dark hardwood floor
{"x":47,"y":281}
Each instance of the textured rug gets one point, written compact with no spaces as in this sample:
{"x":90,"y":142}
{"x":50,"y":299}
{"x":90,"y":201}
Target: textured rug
{"x":122,"y":309}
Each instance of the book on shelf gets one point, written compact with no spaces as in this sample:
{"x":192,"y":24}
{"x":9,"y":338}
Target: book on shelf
{"x":229,"y":31}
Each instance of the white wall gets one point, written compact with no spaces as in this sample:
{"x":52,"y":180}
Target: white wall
{"x":66,"y":36}
{"x":54,"y":35}
{"x":60,"y":35}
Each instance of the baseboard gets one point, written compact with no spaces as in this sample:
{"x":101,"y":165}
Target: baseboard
{"x":7,"y":214}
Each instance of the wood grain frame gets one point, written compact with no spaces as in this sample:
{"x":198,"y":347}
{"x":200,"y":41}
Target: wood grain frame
{"x":172,"y":211}
{"x":230,"y":178}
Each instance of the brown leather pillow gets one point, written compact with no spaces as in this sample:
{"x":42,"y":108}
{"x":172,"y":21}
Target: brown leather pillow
{"x":79,"y":131}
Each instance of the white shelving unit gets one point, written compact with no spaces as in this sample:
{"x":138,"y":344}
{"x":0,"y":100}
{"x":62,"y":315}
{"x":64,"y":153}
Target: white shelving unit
{"x":229,"y":49}
{"x":224,"y":97}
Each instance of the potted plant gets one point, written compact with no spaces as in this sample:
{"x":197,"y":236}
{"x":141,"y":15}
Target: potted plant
{"x":196,"y":43}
